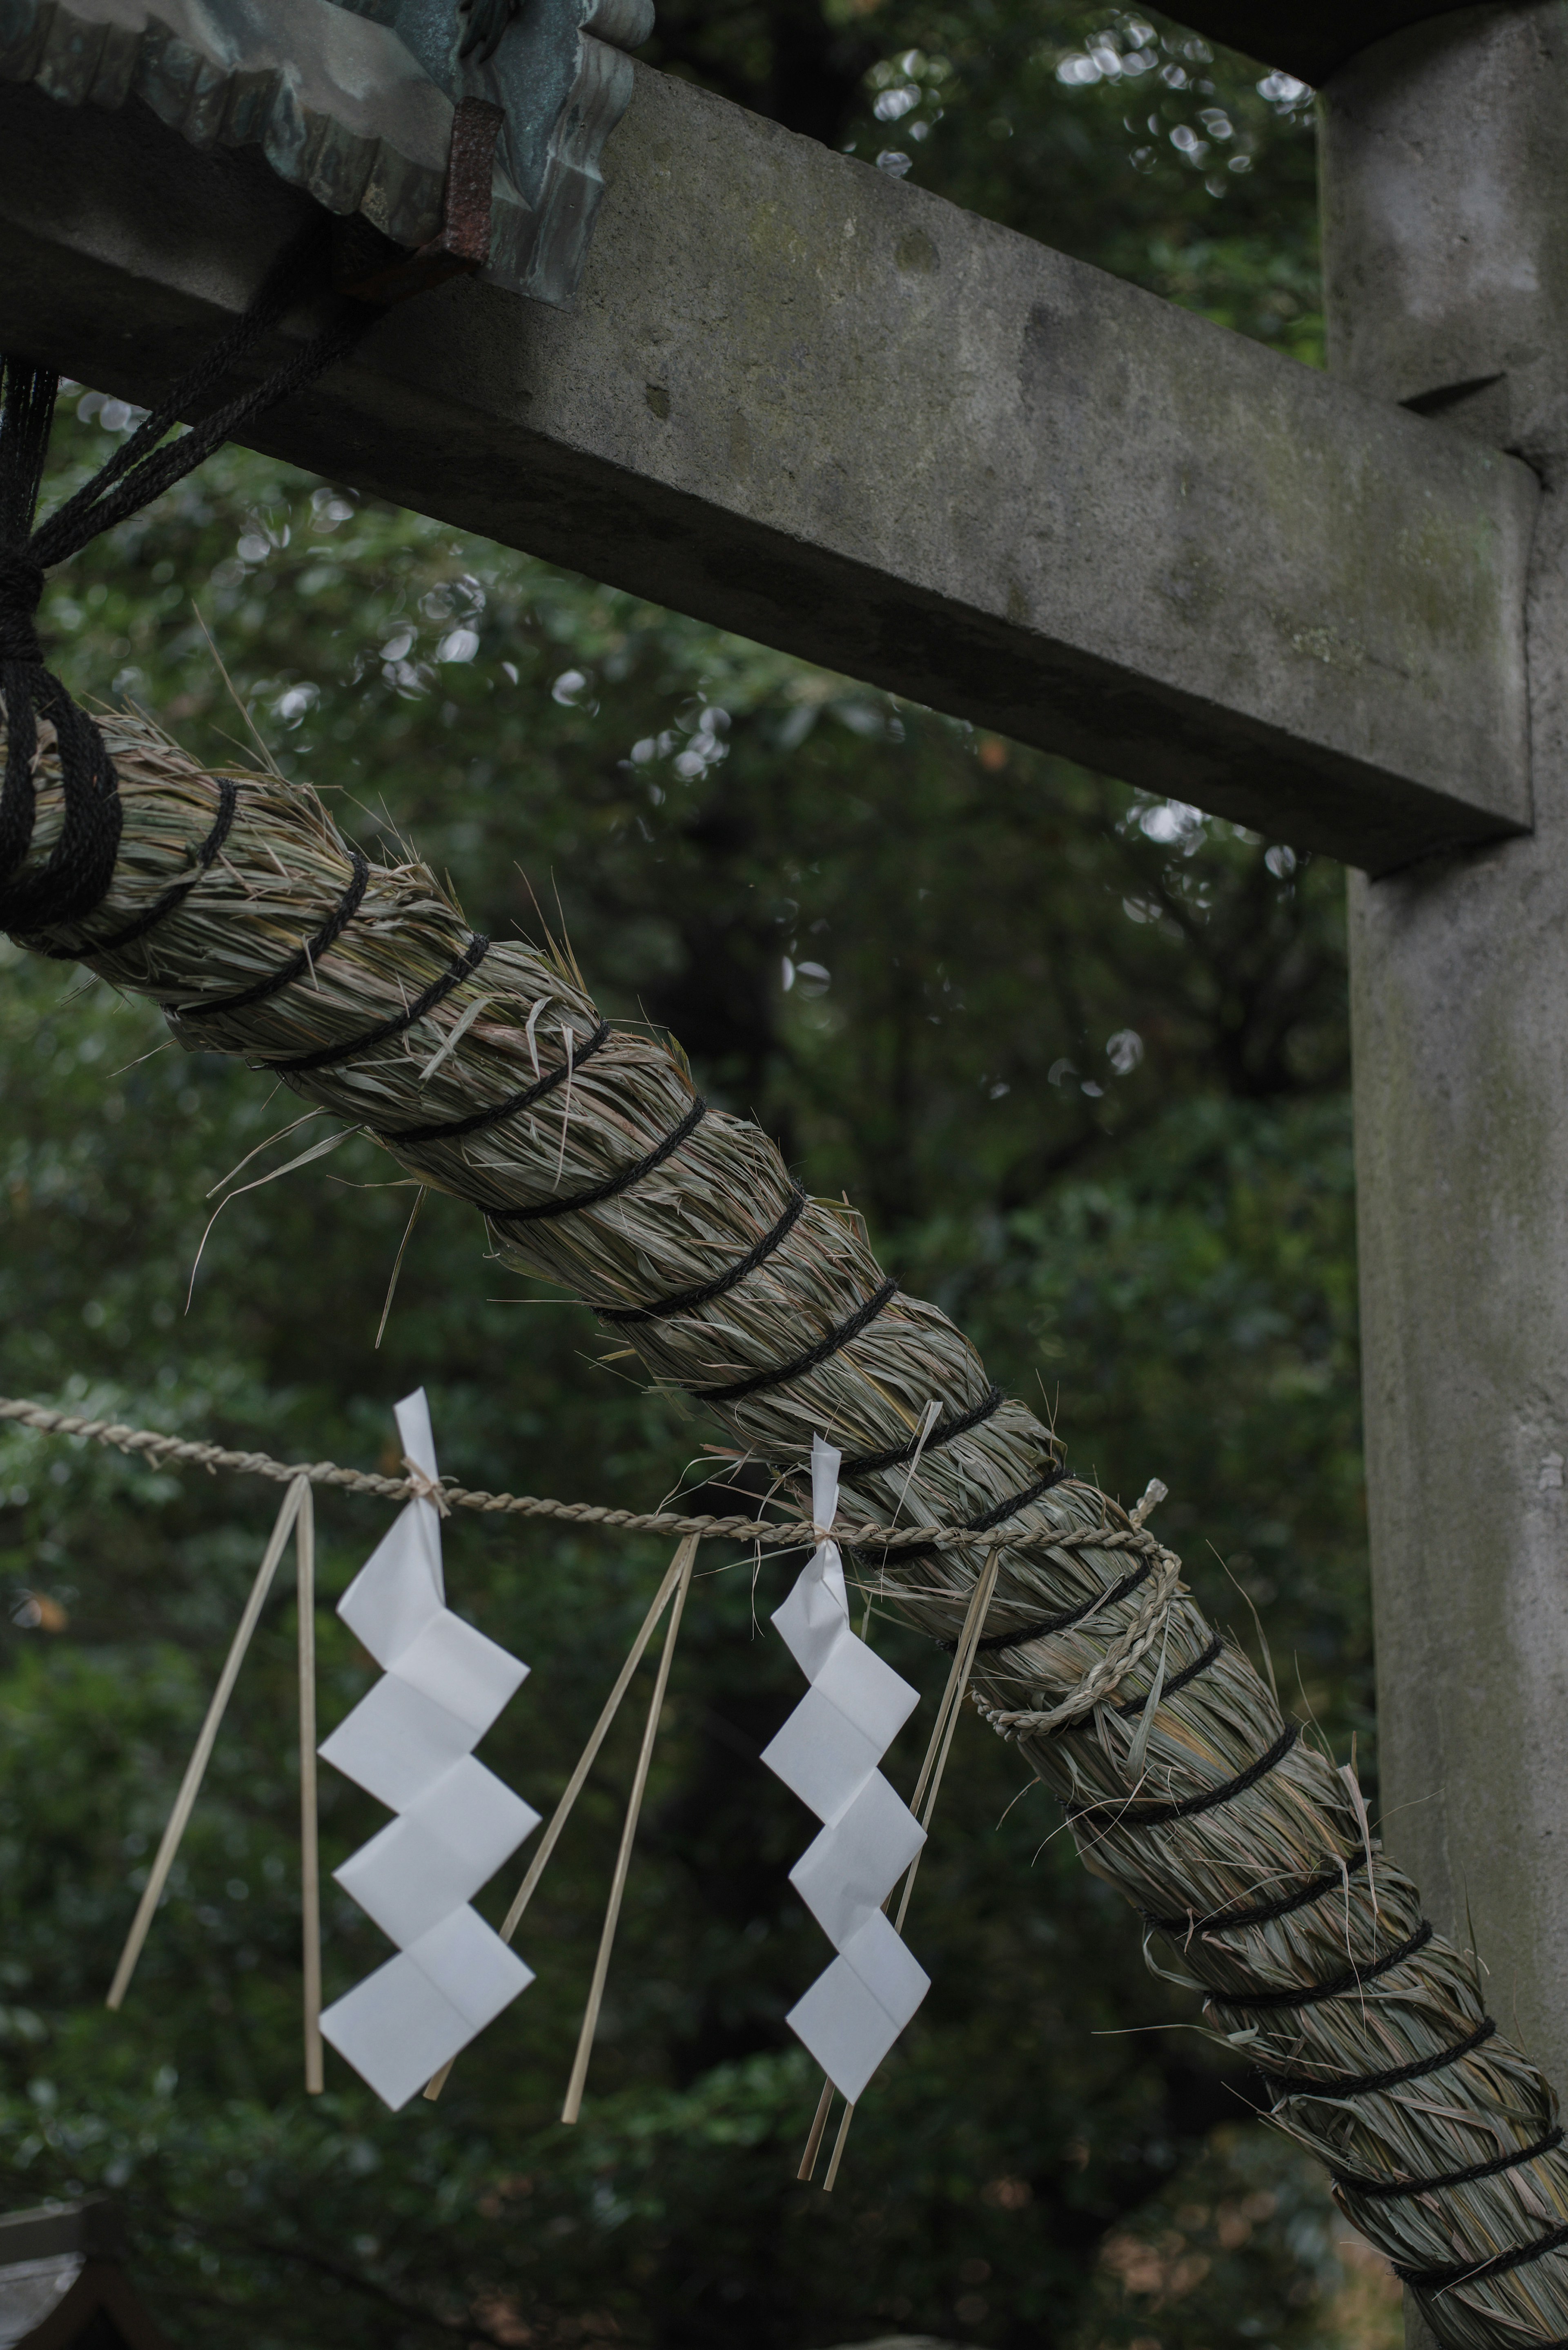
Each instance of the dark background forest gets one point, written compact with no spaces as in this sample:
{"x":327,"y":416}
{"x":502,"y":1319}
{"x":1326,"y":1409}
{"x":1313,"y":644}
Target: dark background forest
{"x":1081,"y":1058}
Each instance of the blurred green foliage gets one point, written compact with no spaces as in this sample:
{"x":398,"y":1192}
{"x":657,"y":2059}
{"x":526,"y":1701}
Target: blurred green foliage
{"x":1081,"y":1057}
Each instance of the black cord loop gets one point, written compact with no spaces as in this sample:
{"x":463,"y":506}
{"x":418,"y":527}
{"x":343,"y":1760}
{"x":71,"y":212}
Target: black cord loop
{"x":450,"y":1129}
{"x":1387,"y":2191}
{"x":686,"y":1301}
{"x":206,"y":855}
{"x":1180,"y":1681}
{"x":867,"y":1464}
{"x":1070,"y":1617}
{"x":303,"y":960}
{"x":1260,"y":1913}
{"x":1472,"y":2272}
{"x":1153,"y":1815}
{"x":1353,"y":1979}
{"x":1010,"y":1508}
{"x":616,"y":1184}
{"x":1367,"y":2085}
{"x":76,"y":875}
{"x":21,"y":590}
{"x":836,"y":1340}
{"x":331,"y":1056}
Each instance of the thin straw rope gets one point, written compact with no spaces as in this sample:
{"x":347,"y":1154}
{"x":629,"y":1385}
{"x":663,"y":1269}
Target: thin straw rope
{"x":790,"y":1534}
{"x":195,"y":1770}
{"x":574,"y":2104}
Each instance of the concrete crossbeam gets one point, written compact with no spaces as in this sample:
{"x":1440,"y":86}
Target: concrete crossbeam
{"x":835,"y":414}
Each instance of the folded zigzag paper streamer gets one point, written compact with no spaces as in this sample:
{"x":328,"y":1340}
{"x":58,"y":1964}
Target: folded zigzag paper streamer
{"x":410,"y":1743}
{"x":827,"y":1752}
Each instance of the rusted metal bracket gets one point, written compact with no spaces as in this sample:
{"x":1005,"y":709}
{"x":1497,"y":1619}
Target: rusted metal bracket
{"x":462,"y":244}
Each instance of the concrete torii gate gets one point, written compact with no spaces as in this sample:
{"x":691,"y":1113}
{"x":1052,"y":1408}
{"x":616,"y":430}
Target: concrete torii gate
{"x":804,"y":400}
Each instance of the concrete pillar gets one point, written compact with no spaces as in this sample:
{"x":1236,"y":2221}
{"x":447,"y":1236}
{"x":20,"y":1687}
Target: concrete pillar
{"x":1446,"y":218}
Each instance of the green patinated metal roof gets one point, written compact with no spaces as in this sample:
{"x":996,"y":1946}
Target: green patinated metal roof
{"x":352,"y":101}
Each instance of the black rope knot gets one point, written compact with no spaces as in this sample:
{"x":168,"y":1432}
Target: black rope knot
{"x":21,"y":588}
{"x":75,"y":877}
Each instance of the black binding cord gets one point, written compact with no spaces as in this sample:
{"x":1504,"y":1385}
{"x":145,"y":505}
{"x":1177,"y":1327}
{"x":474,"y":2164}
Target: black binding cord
{"x":1351,"y":1979}
{"x":822,"y":1352}
{"x":1367,"y":2085}
{"x":1387,"y":2191}
{"x":606,"y":1190}
{"x":995,"y":1516}
{"x":298,"y":963}
{"x":869,"y":1464}
{"x":80,"y":868}
{"x":1262,"y":1913}
{"x":76,"y":875}
{"x":1180,"y":1681}
{"x":1472,"y":2272}
{"x":330,"y":1055}
{"x":686,"y":1301}
{"x":1154,"y":1815}
{"x":228,"y":800}
{"x":450,"y":1129}
{"x":1070,"y":1616}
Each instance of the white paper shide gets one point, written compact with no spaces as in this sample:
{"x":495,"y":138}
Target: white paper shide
{"x":827,"y":1752}
{"x":410,"y":1743}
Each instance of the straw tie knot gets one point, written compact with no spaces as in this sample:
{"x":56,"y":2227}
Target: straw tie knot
{"x":427,"y":1488}
{"x":21,"y":588}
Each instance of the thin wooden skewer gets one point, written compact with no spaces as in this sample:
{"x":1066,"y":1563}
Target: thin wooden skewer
{"x":931,"y":1770}
{"x":808,"y":2160}
{"x":309,"y":1864}
{"x":562,"y":1812}
{"x":950,"y":1694}
{"x":572,"y":2106}
{"x":967,"y":1646}
{"x":190,"y":1787}
{"x":827,"y":2184}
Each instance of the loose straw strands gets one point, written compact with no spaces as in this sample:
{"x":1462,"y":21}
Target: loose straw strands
{"x":681,"y":1228}
{"x":295,"y":1516}
{"x":685,"y":1559}
{"x":678,"y":1571}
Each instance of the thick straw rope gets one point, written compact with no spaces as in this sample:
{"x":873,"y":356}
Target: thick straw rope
{"x":485,"y":1070}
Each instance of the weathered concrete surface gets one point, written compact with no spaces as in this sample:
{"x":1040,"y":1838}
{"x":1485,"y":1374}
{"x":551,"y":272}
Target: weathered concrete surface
{"x":835,"y":414}
{"x":1447,"y":174}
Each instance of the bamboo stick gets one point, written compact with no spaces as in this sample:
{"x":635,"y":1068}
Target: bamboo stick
{"x":832,"y":2178}
{"x":824,"y":2105}
{"x":958,"y":1682}
{"x":572,"y":2106}
{"x":195,"y":1770}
